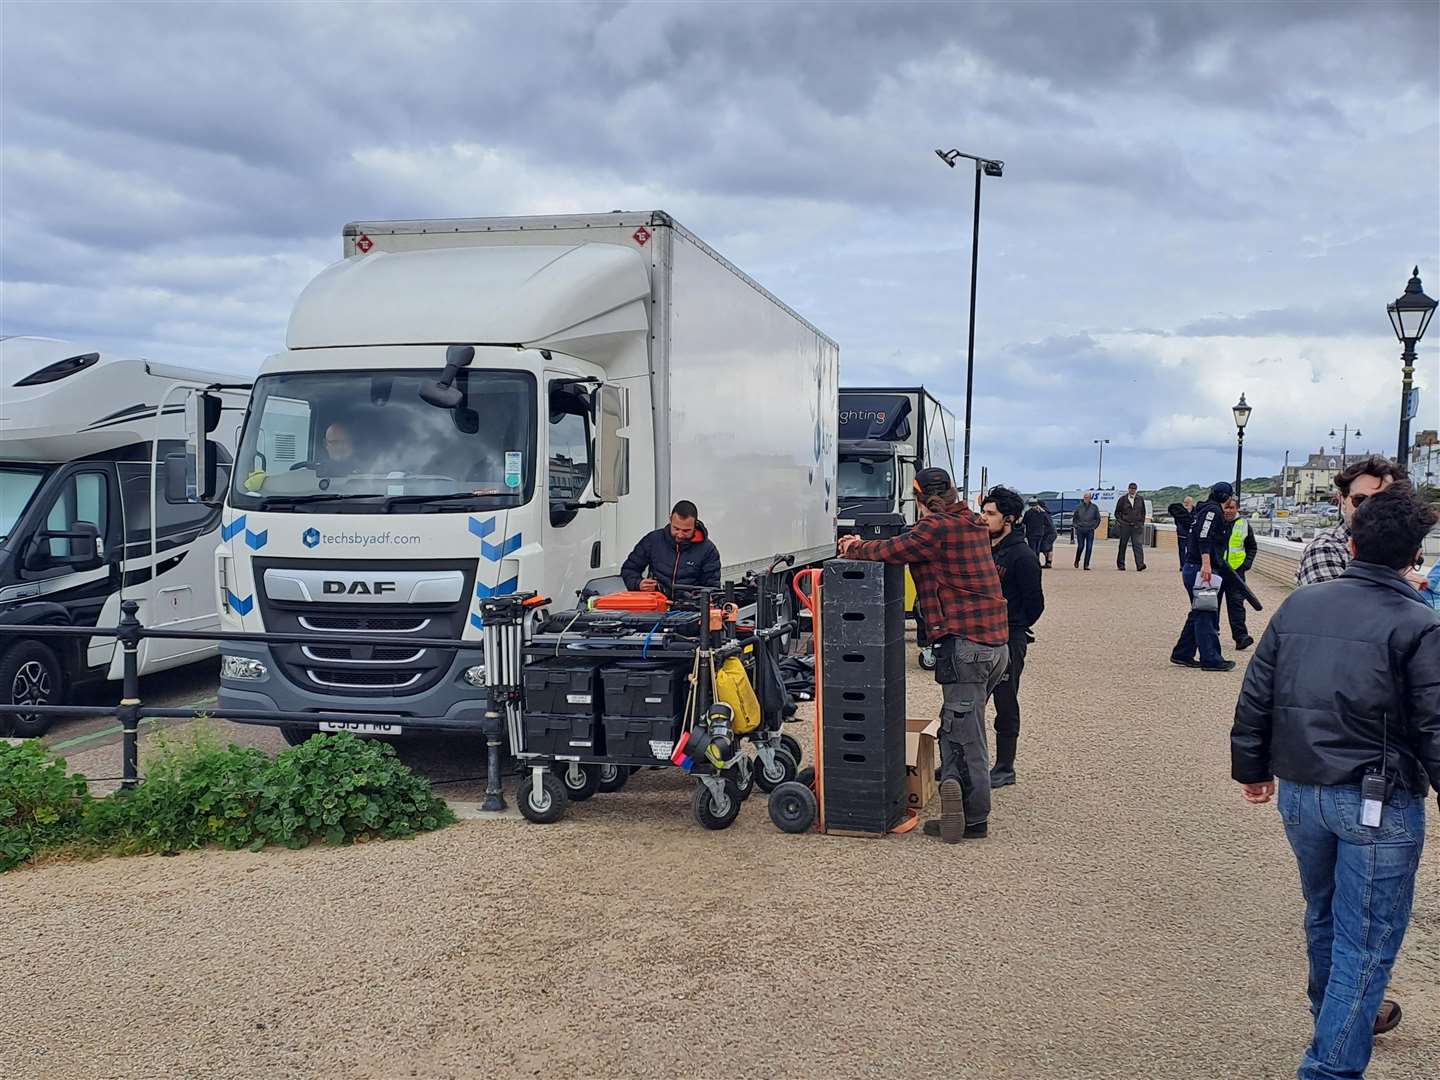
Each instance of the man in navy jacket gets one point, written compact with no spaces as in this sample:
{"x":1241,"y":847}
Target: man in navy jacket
{"x":680,"y":553}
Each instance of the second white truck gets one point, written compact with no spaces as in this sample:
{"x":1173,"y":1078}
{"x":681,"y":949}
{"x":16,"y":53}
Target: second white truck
{"x":474,"y":407}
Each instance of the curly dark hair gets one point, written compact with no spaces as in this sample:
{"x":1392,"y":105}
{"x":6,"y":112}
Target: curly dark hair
{"x":1008,"y":502}
{"x":1389,"y":526}
{"x":1379,"y":467}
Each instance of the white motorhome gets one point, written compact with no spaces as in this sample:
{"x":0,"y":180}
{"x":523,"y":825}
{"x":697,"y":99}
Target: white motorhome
{"x":482,"y":406}
{"x":85,"y":521}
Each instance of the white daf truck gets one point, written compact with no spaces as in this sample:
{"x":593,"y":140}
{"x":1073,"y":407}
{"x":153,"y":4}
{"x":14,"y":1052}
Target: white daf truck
{"x":476,"y":407}
{"x":86,"y":519}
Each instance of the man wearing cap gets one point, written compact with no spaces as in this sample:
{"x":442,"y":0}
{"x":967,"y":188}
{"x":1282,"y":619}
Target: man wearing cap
{"x":966,"y":619}
{"x":1205,"y":556}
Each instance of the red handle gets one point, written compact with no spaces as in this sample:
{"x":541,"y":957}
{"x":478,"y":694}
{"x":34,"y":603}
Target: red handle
{"x":807,"y":598}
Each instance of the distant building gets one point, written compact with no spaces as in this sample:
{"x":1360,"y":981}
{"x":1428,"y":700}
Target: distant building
{"x":1314,"y":479}
{"x":1424,"y":463}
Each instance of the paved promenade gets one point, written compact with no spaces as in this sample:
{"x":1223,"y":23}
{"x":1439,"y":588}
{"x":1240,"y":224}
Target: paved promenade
{"x":1130,"y":917}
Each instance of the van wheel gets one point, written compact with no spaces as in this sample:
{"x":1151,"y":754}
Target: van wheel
{"x":30,"y":674}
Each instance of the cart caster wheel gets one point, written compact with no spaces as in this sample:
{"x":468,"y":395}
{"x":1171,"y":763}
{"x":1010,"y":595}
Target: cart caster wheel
{"x":545,"y":805}
{"x":612,"y":777}
{"x":793,"y":808}
{"x":927,"y":659}
{"x":806,"y":776}
{"x":745,"y":778}
{"x":789,"y":742}
{"x":784,"y":770}
{"x":581,"y":781}
{"x":713,"y":814}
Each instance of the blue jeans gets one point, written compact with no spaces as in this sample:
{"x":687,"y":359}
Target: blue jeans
{"x":1202,"y":628}
{"x":1359,"y":884}
{"x":1084,"y":544}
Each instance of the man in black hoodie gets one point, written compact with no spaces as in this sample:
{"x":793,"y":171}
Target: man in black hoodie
{"x":680,"y":553}
{"x":1039,"y":529}
{"x":1019,"y":573}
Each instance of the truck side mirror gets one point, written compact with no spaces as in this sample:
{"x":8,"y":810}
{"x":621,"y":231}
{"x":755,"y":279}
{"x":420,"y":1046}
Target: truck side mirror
{"x":202,"y":466}
{"x":612,"y":445}
{"x":83,"y":550}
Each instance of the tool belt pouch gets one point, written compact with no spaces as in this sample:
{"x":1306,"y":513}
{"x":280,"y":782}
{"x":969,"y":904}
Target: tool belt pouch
{"x":1207,"y":600}
{"x":945,"y":670}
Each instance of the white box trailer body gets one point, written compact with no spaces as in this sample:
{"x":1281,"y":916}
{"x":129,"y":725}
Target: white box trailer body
{"x":84,"y":437}
{"x":731,"y":402}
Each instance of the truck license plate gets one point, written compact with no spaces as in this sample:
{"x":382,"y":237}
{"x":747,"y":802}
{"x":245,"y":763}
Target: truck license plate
{"x":360,"y":728}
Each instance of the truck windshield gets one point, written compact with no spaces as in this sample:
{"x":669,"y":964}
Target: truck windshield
{"x":345,"y":440}
{"x":866,"y":478}
{"x":17,"y":488}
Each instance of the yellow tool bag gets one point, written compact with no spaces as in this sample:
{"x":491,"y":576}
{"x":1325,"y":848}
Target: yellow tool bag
{"x":732,"y":686}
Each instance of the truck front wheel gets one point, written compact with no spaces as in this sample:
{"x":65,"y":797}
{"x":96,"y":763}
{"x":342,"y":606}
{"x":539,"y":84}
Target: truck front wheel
{"x":30,"y":674}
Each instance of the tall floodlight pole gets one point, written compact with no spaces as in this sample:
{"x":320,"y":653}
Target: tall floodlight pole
{"x":1100,"y":468}
{"x":985,"y":167}
{"x":1409,"y":315}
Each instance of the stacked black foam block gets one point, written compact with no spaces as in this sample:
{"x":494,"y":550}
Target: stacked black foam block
{"x":863,"y":696}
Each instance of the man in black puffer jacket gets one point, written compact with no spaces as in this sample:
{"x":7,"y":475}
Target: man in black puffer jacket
{"x":1342,"y":703}
{"x":1019,"y":572}
{"x":680,"y":553}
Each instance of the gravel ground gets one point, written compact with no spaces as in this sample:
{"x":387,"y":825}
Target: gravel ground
{"x":1129,"y":917}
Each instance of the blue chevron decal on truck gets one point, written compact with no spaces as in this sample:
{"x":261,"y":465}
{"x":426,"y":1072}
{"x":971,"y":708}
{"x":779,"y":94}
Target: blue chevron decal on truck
{"x":494,"y":552}
{"x":229,"y":532}
{"x":480,"y":528}
{"x":255,"y":541}
{"x":242,"y":607}
{"x":505,"y":588}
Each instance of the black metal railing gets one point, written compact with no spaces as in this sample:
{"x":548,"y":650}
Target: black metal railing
{"x":131,"y":709}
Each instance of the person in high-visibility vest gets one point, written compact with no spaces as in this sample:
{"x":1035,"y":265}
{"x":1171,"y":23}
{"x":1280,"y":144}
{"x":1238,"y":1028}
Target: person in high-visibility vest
{"x":1240,"y":554}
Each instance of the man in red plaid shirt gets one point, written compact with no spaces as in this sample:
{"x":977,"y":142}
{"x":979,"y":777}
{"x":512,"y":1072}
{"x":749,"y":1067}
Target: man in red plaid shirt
{"x":958,"y":595}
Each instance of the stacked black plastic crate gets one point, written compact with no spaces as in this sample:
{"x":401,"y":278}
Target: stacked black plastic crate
{"x":562,"y":708}
{"x":644,"y":704}
{"x":863,"y":696}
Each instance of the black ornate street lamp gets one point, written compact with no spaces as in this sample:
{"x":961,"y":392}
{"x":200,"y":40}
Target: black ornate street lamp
{"x":1241,"y":412}
{"x":1409,"y":315}
{"x":986,"y":167}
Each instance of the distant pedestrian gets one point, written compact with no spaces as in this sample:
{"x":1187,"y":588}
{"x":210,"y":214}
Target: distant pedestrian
{"x":1130,"y":524}
{"x":1326,"y":557}
{"x":958,"y":595}
{"x":1025,"y":602}
{"x":1084,"y":522}
{"x":1183,"y":514}
{"x":1205,"y":555}
{"x":1040,"y":531}
{"x":1240,"y":553}
{"x":1342,"y":703}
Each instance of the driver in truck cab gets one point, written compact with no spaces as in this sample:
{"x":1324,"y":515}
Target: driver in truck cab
{"x":680,"y":553}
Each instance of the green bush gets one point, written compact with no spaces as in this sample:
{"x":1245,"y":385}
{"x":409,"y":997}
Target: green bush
{"x":40,"y":806}
{"x":334,"y":788}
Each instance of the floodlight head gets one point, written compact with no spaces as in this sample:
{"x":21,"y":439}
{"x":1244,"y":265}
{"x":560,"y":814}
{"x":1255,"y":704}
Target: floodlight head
{"x":948,"y":156}
{"x":993,"y":168}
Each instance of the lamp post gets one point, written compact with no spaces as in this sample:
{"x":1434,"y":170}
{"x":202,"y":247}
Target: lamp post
{"x":1100,"y":468}
{"x":1345,"y":434}
{"x":987,"y":167}
{"x":1241,"y":412}
{"x":1409,"y":315}
{"x":1285,"y":476}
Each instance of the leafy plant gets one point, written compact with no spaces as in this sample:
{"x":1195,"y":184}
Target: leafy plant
{"x":334,"y":788}
{"x":40,"y":804}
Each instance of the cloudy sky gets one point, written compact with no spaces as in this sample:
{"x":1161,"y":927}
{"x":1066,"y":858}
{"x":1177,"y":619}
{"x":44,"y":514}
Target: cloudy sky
{"x":1198,"y":200}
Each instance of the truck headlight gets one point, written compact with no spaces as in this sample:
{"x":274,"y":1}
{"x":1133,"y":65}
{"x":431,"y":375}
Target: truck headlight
{"x":475,"y":676}
{"x":242,"y":667}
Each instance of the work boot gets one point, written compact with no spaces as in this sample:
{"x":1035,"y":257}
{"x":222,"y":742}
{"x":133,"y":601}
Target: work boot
{"x":1077,"y":562}
{"x":1003,"y":774}
{"x":972,"y":832}
{"x":1224,"y":665}
{"x":1244,"y":643}
{"x":952,"y":811}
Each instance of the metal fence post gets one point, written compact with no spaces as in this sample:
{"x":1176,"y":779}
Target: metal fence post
{"x":129,"y":710}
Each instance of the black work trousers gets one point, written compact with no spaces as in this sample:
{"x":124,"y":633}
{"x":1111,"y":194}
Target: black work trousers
{"x":1007,"y":696}
{"x":1235,"y":609}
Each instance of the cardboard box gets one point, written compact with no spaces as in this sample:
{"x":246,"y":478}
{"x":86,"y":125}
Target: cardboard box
{"x":922,"y":754}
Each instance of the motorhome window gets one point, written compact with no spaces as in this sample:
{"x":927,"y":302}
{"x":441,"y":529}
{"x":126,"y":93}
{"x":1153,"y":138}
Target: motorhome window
{"x":17,"y":488}
{"x":343,"y":433}
{"x":866,"y":478}
{"x":569,"y":462}
{"x":84,"y":496}
{"x":172,"y":519}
